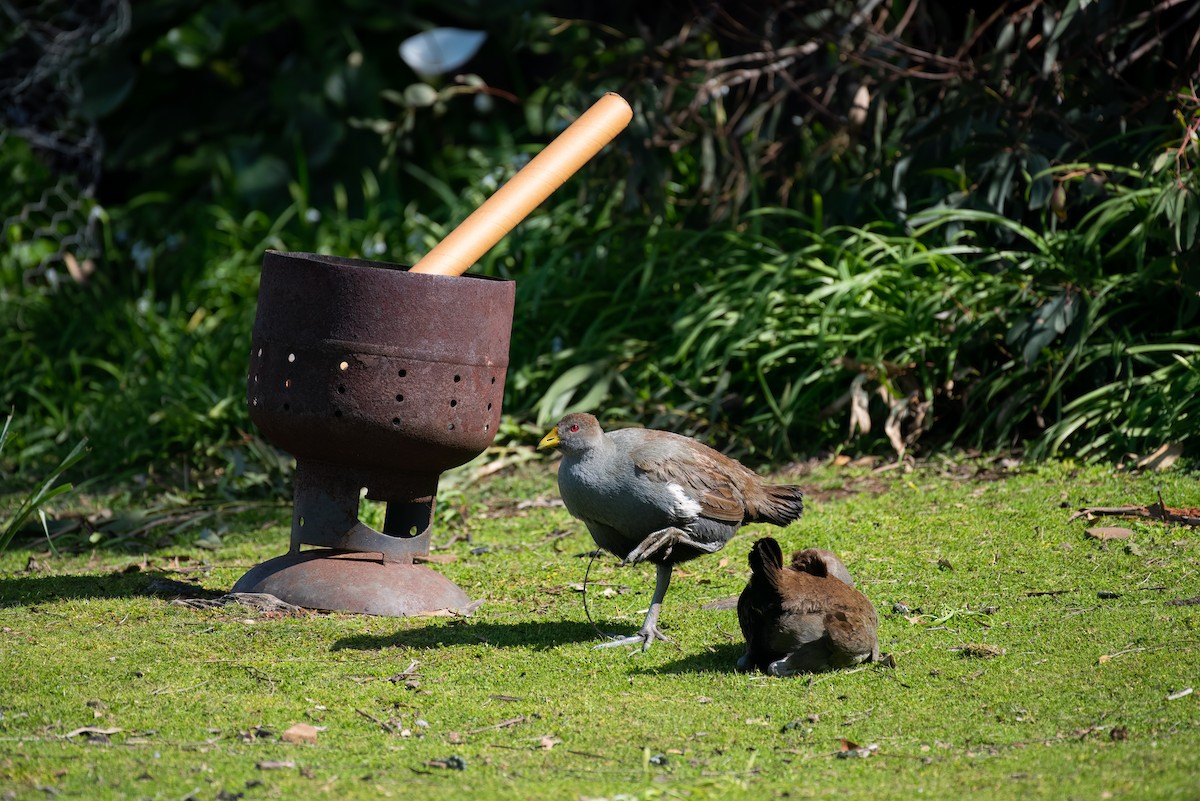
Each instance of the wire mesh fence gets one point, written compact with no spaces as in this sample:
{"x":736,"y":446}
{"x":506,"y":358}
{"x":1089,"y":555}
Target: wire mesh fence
{"x":47,"y":204}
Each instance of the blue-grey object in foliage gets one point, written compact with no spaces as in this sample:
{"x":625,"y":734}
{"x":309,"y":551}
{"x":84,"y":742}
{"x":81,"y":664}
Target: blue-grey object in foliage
{"x":441,"y":50}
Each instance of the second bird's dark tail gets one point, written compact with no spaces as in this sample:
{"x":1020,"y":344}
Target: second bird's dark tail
{"x":766,"y":558}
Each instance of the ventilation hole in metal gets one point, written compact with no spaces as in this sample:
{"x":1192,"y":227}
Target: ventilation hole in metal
{"x":412,"y":531}
{"x":400,"y":399}
{"x":341,"y":389}
{"x":453,"y":403}
{"x":287,"y":382}
{"x":343,"y":365}
{"x":489,"y":407}
{"x":260,"y":353}
{"x":395,"y":421}
{"x":301,"y":522}
{"x":457,"y":378}
{"x":403,"y":373}
{"x":450,"y":427}
{"x":337,"y":412}
{"x":493,"y":379}
{"x":291,"y":357}
{"x":287,"y":407}
{"x":254,"y":402}
{"x":255,"y":379}
{"x":487,"y":426}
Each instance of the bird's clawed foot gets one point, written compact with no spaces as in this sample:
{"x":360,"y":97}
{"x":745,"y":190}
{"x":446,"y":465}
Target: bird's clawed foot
{"x":649,"y":631}
{"x":645,"y":638}
{"x":662,"y":542}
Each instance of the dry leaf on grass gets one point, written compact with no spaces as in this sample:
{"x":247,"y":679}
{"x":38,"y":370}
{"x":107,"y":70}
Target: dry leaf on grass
{"x":300,"y":733}
{"x":408,"y":673}
{"x":1109,"y":533}
{"x":850,"y":749}
{"x":462,"y":611}
{"x":980,"y":650}
{"x":94,"y":730}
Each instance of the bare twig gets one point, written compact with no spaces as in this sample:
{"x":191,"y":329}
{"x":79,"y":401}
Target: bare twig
{"x":171,"y":691}
{"x":1181,"y":645}
{"x":1156,"y":511}
{"x":504,"y":724}
{"x":386,"y":725}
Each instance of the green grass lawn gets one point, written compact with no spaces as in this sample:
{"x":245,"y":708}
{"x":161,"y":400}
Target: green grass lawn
{"x":110,"y":690}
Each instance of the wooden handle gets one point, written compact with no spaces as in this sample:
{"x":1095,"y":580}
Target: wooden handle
{"x":535,"y":182}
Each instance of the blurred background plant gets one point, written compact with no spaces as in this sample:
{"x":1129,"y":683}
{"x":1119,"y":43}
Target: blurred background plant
{"x":876,"y":226}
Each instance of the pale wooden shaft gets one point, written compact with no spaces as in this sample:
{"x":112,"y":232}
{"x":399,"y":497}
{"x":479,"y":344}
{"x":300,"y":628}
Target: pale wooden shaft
{"x":512,"y":202}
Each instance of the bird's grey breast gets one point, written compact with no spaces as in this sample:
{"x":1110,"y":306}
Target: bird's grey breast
{"x":606,"y":487}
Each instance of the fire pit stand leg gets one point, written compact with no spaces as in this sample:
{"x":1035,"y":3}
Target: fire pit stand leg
{"x":355,"y":568}
{"x":325,"y":508}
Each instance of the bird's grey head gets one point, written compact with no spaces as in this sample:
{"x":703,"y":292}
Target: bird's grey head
{"x":574,"y":434}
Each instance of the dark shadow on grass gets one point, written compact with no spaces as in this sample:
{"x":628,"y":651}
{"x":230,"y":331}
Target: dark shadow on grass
{"x":538,"y":635}
{"x":34,"y":589}
{"x":713,"y":659}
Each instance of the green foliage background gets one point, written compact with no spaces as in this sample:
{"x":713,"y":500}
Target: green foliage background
{"x":975,"y":225}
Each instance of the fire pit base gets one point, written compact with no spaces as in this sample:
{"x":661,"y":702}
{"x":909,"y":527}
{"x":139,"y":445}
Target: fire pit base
{"x":345,"y":581}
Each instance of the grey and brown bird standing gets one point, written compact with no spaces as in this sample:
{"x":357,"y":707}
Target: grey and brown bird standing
{"x":654,"y":496}
{"x":806,"y":617}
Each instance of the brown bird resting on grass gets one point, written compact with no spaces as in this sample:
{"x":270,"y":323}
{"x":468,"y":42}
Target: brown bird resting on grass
{"x":653,"y":496}
{"x":805,"y":617}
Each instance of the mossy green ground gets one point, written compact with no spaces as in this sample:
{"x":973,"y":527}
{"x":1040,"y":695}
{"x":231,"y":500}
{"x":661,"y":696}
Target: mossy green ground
{"x":1076,"y":704}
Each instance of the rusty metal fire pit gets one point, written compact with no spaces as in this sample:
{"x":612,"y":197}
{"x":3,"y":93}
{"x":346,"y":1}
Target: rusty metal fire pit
{"x":375,"y":379}
{"x":378,"y":378}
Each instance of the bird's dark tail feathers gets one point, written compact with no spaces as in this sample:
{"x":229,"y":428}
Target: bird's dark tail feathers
{"x":780,"y":505}
{"x":766,"y":558}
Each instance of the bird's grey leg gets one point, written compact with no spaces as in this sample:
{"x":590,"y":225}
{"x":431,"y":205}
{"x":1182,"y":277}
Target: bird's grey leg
{"x":667,"y":538}
{"x":649,"y":631}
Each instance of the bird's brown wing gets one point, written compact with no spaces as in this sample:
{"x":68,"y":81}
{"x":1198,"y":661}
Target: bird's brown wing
{"x":703,"y":473}
{"x":853,"y":631}
{"x":801,"y":593}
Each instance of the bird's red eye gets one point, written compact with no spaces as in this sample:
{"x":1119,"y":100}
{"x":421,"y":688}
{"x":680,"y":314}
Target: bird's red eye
{"x":574,"y":428}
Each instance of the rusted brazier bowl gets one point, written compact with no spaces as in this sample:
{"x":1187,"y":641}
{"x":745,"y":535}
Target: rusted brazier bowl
{"x":377,"y":380}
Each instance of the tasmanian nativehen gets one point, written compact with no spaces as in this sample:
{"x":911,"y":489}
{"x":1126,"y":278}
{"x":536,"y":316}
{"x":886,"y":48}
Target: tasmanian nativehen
{"x":653,"y":496}
{"x":806,"y":617}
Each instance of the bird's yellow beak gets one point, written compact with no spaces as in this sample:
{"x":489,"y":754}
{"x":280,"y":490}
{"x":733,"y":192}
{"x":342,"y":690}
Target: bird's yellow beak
{"x":550,"y":440}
